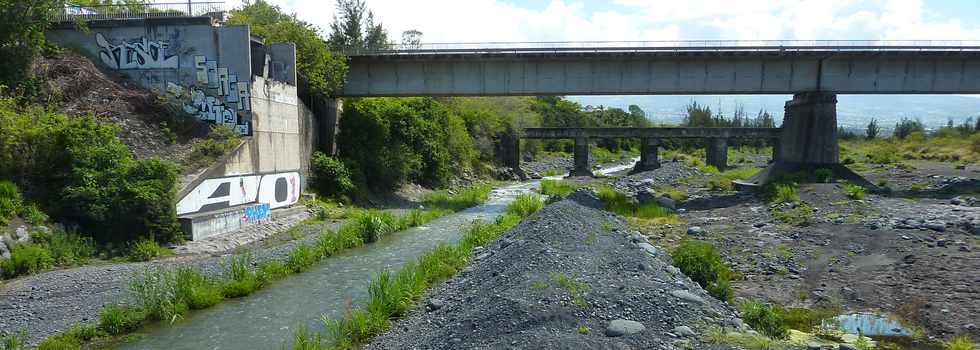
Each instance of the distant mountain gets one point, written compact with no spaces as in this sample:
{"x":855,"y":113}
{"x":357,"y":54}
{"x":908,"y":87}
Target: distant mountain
{"x":853,"y":111}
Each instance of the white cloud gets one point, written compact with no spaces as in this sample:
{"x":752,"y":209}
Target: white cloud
{"x":626,"y":20}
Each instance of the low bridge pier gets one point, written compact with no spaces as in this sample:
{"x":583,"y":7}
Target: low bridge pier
{"x":717,"y":142}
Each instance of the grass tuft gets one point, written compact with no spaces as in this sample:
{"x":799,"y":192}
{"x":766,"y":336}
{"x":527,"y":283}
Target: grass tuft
{"x":525,"y":204}
{"x":702,"y":262}
{"x":962,"y":342}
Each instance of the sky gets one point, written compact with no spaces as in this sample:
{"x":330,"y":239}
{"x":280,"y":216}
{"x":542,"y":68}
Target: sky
{"x":647,"y":20}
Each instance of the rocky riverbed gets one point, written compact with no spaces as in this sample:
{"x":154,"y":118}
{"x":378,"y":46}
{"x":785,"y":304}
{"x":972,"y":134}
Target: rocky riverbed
{"x":571,"y":277}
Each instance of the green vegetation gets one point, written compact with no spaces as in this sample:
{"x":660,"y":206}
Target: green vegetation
{"x":780,"y":192}
{"x":79,"y":172}
{"x":119,"y":320}
{"x":525,"y":204}
{"x":13,"y":341}
{"x":26,"y":259}
{"x":146,"y":250}
{"x":558,"y":188}
{"x":718,"y":335}
{"x":205,"y":151}
{"x":583,"y":329}
{"x":553,"y":172}
{"x":574,"y":288}
{"x":466,"y":197}
{"x":962,"y":342}
{"x":763,"y":318}
{"x":617,"y":202}
{"x":392,"y":294}
{"x":720,"y":180}
{"x":329,"y":176}
{"x":854,"y":191}
{"x":702,"y":262}
{"x":242,"y":281}
{"x":799,"y":215}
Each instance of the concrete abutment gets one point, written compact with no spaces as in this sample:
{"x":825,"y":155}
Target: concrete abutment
{"x":716,"y":153}
{"x":649,"y":159}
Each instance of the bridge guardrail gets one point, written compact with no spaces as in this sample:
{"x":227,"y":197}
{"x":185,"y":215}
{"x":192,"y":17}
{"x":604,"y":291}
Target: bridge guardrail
{"x":73,"y":12}
{"x":671,"y":46}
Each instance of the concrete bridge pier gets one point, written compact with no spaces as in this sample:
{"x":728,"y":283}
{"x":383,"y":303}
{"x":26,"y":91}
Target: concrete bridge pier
{"x":581,"y":167}
{"x":717,"y":153}
{"x":649,"y":159}
{"x":808,"y":141}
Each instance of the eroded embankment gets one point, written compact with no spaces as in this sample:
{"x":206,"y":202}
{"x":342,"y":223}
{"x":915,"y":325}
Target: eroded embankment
{"x":569,"y":277}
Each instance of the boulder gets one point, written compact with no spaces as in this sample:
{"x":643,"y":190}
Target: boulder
{"x":621,"y":327}
{"x":4,"y":251}
{"x":695,"y":231}
{"x":684,"y":331}
{"x":666,"y":202}
{"x":649,"y":248}
{"x":687,"y":296}
{"x":21,"y":234}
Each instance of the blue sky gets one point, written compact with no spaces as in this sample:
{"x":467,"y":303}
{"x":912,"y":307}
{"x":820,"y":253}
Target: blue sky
{"x":578,"y":20}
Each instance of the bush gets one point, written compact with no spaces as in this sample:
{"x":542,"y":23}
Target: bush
{"x":67,"y":248}
{"x":243,"y":280}
{"x":146,"y":250}
{"x":329,"y":176}
{"x":83,"y":174}
{"x":26,"y":259}
{"x":906,"y":127}
{"x":702,"y":262}
{"x":302,"y":257}
{"x":764,"y":319}
{"x":10,"y":201}
{"x":854,"y":191}
{"x":117,"y":320}
{"x":525,"y":204}
{"x":780,"y":192}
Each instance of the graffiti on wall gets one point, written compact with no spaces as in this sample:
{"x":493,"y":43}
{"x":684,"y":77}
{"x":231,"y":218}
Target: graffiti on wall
{"x":216,"y":95}
{"x":276,"y":190}
{"x":141,"y":54}
{"x":231,"y":98}
{"x":256,"y":213}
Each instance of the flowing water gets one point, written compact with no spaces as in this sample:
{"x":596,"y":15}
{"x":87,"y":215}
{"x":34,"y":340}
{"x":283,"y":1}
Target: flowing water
{"x":267,"y":318}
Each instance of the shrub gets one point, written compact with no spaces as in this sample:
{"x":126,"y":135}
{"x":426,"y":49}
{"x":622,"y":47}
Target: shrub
{"x":780,"y":192}
{"x":67,"y":248}
{"x":375,"y":224}
{"x":906,"y":127}
{"x":823,"y":175}
{"x":329,"y":176}
{"x":883,"y":153}
{"x":525,"y":204}
{"x":962,"y":342}
{"x":146,"y":250}
{"x":194,"y":289}
{"x":25,"y":259}
{"x":221,"y":140}
{"x":242,"y":279}
{"x":302,"y":257}
{"x":854,"y":191}
{"x":116,"y":320}
{"x":10,"y":201}
{"x":764,"y":319}
{"x":702,"y":262}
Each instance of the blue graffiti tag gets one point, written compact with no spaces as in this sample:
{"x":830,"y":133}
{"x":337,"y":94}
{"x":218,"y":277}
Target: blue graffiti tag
{"x":256,"y":213}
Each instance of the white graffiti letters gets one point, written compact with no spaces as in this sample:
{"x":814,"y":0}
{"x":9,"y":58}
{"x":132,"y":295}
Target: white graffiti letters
{"x":142,"y":54}
{"x":276,"y":190}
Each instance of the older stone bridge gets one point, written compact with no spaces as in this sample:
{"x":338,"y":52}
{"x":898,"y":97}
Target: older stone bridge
{"x":717,"y":145}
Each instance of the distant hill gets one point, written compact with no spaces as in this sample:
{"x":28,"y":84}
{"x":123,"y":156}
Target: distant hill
{"x":853,"y":111}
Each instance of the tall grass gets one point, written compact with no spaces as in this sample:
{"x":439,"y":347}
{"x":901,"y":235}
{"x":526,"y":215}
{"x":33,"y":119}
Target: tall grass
{"x":242,"y":279}
{"x":780,"y":192}
{"x":617,"y":202}
{"x":558,"y":188}
{"x":13,"y":341}
{"x":962,"y":342}
{"x":392,"y":294}
{"x":466,"y":198}
{"x":525,"y":204}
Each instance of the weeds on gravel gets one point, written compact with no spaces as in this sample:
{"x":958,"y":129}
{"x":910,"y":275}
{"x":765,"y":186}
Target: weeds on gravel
{"x":800,"y":215}
{"x":146,"y":250}
{"x":574,"y":288}
{"x":764,"y":318}
{"x":558,"y":188}
{"x":854,"y":191}
{"x":962,"y":342}
{"x":780,"y":192}
{"x":702,"y":262}
{"x":392,"y":294}
{"x":717,"y":335}
{"x":13,"y":340}
{"x":525,"y":204}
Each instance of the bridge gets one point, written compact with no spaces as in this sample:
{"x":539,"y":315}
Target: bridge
{"x":814,"y":72}
{"x":716,"y":153}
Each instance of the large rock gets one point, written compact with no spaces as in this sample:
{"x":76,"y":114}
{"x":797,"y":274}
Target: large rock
{"x":687,"y":296}
{"x":666,"y":202}
{"x":21,"y":234}
{"x":684,"y":331}
{"x":4,"y":251}
{"x":623,"y":327}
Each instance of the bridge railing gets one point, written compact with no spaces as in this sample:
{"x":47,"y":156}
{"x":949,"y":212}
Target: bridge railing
{"x":671,"y":46}
{"x":72,"y":12}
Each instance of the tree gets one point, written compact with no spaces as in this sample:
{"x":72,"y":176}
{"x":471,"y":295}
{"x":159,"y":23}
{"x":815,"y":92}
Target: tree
{"x":354,"y":29}
{"x":412,"y":39}
{"x":22,"y":26}
{"x":637,"y":111}
{"x":320,"y":69}
{"x":873,"y":130}
{"x":906,"y":127}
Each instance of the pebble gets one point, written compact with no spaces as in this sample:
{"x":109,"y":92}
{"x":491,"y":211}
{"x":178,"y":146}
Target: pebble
{"x":695,"y":231}
{"x":621,"y":327}
{"x":687,"y":296}
{"x":684,"y":331}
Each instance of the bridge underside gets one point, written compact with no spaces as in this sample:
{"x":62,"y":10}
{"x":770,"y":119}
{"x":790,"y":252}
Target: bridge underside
{"x":648,"y":73}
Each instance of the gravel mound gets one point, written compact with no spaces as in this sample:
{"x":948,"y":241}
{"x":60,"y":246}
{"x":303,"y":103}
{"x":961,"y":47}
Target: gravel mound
{"x":571,"y":277}
{"x":669,"y":174}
